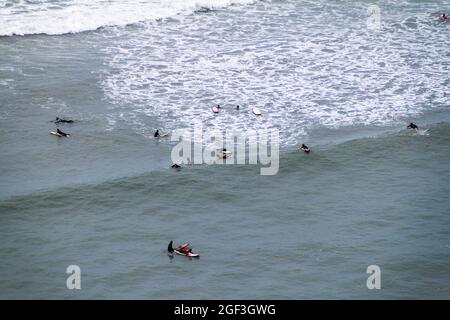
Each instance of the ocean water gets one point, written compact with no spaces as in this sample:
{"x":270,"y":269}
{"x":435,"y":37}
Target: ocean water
{"x":371,"y":192}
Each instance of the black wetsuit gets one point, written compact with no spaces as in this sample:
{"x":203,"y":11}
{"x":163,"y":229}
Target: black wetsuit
{"x":413,"y":126}
{"x":61,"y":133}
{"x":156,"y":135}
{"x":58,"y":120}
{"x":170,"y":248}
{"x":175,"y":166}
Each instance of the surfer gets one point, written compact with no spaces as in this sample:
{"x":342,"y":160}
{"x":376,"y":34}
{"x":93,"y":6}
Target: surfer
{"x":59,"y":120}
{"x":412,"y":126}
{"x":170,"y":248}
{"x":176,"y":166}
{"x":237,"y":107}
{"x":156,"y":135}
{"x":61,"y":133}
{"x":304,"y":147}
{"x":444,"y":17}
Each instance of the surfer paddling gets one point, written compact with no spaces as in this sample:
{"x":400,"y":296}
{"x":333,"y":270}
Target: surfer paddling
{"x":412,"y":126}
{"x":62,"y":134}
{"x":444,"y":17}
{"x":59,"y":120}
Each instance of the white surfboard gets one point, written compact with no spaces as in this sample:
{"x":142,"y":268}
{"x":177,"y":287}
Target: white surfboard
{"x":57,"y":134}
{"x":256,"y":111}
{"x":190,"y":254}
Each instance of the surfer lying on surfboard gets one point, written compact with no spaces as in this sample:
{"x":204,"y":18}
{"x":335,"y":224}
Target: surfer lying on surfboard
{"x":412,"y":126}
{"x":59,"y":120}
{"x":60,"y":133}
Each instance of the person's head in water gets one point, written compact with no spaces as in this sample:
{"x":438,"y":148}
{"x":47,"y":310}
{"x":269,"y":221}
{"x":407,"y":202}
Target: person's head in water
{"x":237,"y":107}
{"x":57,"y":118}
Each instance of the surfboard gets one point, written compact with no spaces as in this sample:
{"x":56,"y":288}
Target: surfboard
{"x":256,"y":111}
{"x":184,"y":245}
{"x":190,"y":254}
{"x":215,"y":109}
{"x":307,"y":150}
{"x":57,"y":134}
{"x":163,"y":135}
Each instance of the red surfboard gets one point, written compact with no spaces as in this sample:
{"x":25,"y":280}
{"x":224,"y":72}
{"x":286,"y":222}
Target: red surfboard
{"x":182,"y":246}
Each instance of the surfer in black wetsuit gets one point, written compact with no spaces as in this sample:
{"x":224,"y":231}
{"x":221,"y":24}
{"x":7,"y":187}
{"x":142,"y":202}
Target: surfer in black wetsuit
{"x":170,"y":248}
{"x":305,"y":148}
{"x":156,"y":135}
{"x":412,"y":126}
{"x":61,"y":133}
{"x":237,"y":107}
{"x":444,"y":17}
{"x":176,"y":166}
{"x":59,"y":120}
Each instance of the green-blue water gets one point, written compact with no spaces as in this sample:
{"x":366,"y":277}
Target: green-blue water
{"x":371,"y":192}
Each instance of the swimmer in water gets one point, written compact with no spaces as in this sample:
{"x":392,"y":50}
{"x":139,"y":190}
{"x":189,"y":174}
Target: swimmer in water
{"x":170,"y":248}
{"x":156,"y":135}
